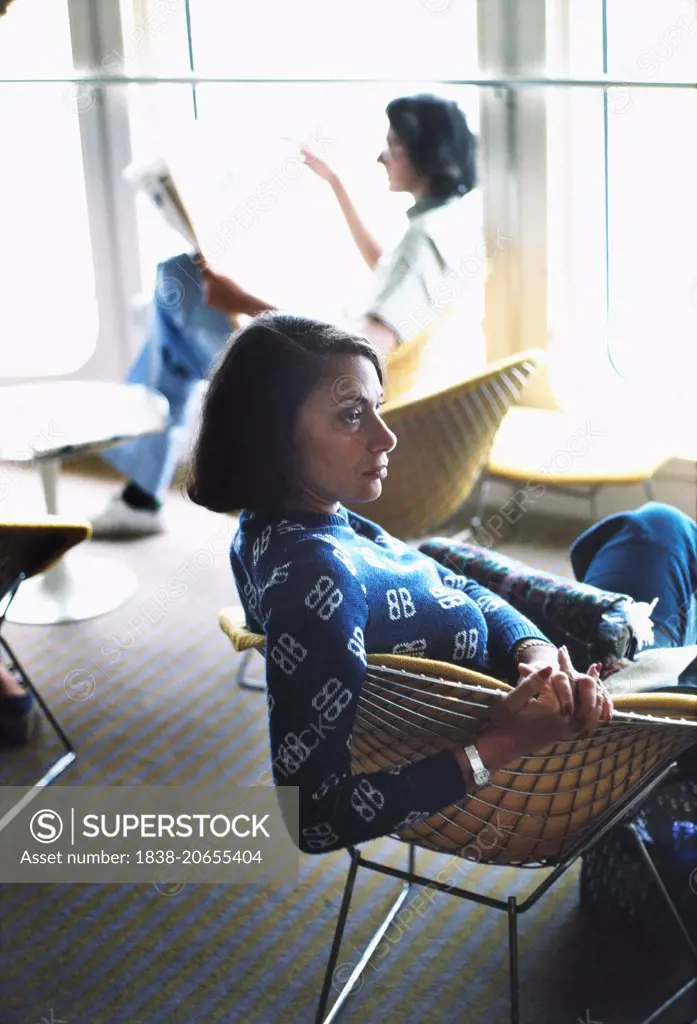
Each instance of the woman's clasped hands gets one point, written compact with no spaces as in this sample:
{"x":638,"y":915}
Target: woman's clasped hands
{"x":552,"y":702}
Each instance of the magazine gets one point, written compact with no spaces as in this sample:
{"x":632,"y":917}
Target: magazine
{"x":659,"y":666}
{"x":155,"y":180}
{"x":243,"y":204}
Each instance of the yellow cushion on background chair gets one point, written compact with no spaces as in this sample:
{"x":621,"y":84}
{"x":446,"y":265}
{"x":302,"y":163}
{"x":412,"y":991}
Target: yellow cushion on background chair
{"x":33,"y":546}
{"x":571,"y":450}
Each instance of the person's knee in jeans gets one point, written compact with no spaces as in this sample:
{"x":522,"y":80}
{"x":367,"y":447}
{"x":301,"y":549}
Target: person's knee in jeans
{"x":662,"y":520}
{"x":178,"y":287}
{"x":193,"y":331}
{"x":669,"y":524}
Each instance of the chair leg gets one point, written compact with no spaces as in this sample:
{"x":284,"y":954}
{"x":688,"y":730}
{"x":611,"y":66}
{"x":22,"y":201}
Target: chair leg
{"x":245,"y":681}
{"x":64,"y":760}
{"x":479,"y":503}
{"x":646,"y":858}
{"x":650,"y":490}
{"x":593,"y":498}
{"x":370,"y":948}
{"x":338,"y":935}
{"x":49,"y":470}
{"x":513,"y":959}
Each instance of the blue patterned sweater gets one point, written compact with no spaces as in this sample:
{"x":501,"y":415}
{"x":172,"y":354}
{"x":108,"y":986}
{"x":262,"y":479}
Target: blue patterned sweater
{"x":326,"y":590}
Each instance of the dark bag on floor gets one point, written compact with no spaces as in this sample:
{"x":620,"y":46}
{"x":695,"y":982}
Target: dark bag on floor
{"x":616,"y":885}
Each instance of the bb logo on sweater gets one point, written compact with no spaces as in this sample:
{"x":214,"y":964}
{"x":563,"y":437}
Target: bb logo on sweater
{"x":285,"y":526}
{"x":287,"y":653}
{"x":466,"y":642}
{"x":489,"y":603}
{"x":261,"y":544}
{"x":416,"y":648}
{"x":400,"y":604}
{"x":344,"y":558}
{"x":279,"y":574}
{"x":367,"y":800}
{"x":412,"y":818}
{"x":319,"y":837}
{"x":369,"y":556}
{"x":293,"y":751}
{"x":447,"y":597}
{"x":356,"y":645}
{"x":332,"y":699}
{"x":456,"y":582}
{"x":329,"y":783}
{"x":324,"y":598}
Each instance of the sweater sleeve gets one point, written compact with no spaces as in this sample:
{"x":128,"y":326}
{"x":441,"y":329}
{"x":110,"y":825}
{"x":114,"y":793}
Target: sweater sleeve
{"x":316,"y":617}
{"x":505,"y":624}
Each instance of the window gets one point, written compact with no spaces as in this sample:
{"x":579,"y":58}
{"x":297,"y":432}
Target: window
{"x":622,"y":204}
{"x":48,"y":314}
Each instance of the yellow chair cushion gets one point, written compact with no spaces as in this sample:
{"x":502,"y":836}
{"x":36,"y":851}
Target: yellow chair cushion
{"x":559,"y":448}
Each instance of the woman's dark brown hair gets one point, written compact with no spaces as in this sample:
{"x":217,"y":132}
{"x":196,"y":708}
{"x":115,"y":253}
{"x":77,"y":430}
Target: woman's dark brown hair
{"x":438,"y":141}
{"x":244,"y":456}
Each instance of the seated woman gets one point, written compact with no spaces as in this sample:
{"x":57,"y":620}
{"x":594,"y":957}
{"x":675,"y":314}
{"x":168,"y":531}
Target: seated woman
{"x":291,"y":431}
{"x":431,"y":154}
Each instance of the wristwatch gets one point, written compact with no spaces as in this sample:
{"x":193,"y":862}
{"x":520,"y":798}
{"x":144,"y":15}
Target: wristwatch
{"x":481,"y":774}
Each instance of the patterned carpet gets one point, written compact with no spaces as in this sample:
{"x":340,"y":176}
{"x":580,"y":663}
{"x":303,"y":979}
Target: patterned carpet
{"x":162,"y":709}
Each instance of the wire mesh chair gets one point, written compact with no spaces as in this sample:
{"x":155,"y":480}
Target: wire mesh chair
{"x":544,"y":810}
{"x":444,"y":440}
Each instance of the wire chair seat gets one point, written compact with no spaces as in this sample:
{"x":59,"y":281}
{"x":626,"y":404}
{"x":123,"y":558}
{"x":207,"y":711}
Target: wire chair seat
{"x":541,"y":806}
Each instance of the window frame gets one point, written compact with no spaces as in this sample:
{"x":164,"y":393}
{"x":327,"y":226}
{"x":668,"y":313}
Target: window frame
{"x":513,"y":168}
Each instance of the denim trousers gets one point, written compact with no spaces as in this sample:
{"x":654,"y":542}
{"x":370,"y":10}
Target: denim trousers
{"x":646,"y":553}
{"x":184,"y":338}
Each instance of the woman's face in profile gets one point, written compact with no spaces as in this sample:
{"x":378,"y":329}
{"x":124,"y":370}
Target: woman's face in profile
{"x":400,"y":171}
{"x":341,"y":439}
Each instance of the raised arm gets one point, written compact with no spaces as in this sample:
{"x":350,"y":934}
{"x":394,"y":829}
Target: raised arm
{"x":369,"y":248}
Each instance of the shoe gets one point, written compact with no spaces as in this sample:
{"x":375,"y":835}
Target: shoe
{"x":18,"y":720}
{"x":121,"y":520}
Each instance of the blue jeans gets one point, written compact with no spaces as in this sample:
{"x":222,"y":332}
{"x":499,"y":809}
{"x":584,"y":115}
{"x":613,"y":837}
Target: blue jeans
{"x":184,"y":338}
{"x":647,"y":553}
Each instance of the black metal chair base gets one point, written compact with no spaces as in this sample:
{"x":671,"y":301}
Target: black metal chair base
{"x":69,"y":754}
{"x":511,"y":906}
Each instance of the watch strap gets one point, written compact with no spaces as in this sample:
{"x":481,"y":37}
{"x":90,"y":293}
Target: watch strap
{"x":480,"y":772}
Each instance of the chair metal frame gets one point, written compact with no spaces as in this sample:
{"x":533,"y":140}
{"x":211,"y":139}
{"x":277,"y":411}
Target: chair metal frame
{"x":247,"y":682}
{"x":615,"y":816}
{"x":69,"y":752}
{"x":619,"y":814}
{"x":589,"y":493}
